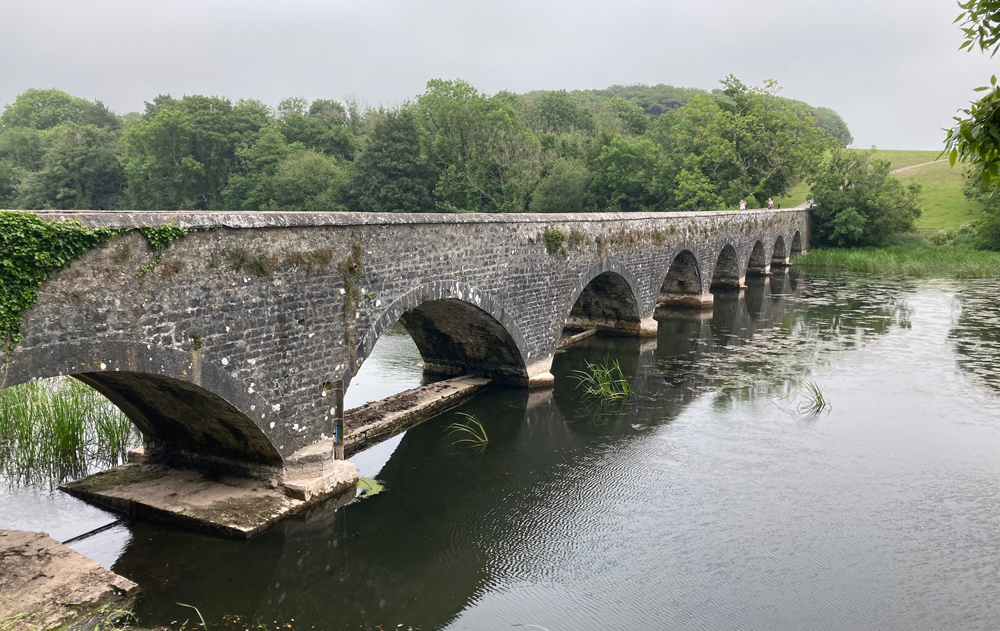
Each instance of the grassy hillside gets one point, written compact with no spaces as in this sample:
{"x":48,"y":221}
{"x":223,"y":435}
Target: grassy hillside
{"x":943,"y":202}
{"x":900,"y":159}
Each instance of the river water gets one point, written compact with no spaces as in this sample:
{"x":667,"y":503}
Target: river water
{"x":709,"y":500}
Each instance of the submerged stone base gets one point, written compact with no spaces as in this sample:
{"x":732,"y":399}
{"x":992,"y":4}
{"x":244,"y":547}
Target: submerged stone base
{"x":233,"y":506}
{"x":376,"y":421}
{"x":45,"y":585}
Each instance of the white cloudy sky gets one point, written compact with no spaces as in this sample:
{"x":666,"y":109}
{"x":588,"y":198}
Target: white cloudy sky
{"x":891,"y":68}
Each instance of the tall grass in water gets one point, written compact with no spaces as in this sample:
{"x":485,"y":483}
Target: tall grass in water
{"x":470,"y":433}
{"x":58,"y":429}
{"x":947,"y":261}
{"x":813,"y":401}
{"x":603,"y":380}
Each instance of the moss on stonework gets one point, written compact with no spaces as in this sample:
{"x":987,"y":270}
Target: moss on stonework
{"x":31,"y":251}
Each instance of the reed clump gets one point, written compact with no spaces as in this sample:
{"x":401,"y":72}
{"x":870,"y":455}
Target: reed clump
{"x":470,"y":432}
{"x":813,"y":402}
{"x":945,"y":261}
{"x":603,"y":380}
{"x":58,"y":429}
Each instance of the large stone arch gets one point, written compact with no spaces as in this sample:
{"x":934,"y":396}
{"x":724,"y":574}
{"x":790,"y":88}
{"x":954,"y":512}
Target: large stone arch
{"x":189,"y":412}
{"x":607,"y":298}
{"x":683,"y":282}
{"x":457,"y":329}
{"x":727,"y":272}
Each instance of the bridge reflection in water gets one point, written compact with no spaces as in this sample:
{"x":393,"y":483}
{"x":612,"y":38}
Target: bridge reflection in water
{"x":421,"y":552}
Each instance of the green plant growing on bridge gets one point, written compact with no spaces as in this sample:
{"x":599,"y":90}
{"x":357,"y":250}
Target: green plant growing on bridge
{"x":603,"y":380}
{"x":159,"y":237}
{"x":243,"y":261}
{"x":351,"y":271}
{"x":554,"y":238}
{"x":31,"y":251}
{"x":471,"y":432}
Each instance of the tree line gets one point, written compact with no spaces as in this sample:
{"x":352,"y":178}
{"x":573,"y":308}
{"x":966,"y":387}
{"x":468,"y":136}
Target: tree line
{"x":450,"y":149}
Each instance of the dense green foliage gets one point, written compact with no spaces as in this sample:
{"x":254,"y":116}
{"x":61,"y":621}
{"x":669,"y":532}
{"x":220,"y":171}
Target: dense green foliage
{"x":986,"y":229}
{"x":976,"y":135}
{"x":31,"y":250}
{"x":856,"y":203}
{"x":452,"y":149}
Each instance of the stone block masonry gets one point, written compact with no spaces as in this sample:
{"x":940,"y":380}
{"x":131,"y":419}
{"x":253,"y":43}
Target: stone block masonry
{"x":226,"y":350}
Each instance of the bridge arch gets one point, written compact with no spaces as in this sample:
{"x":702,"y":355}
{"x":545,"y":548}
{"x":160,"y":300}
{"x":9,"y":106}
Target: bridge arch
{"x":797,"y":243}
{"x":606,"y":298}
{"x":189,"y":411}
{"x":726,"y":273}
{"x":779,"y":253}
{"x":457,"y":329}
{"x":758,"y":263}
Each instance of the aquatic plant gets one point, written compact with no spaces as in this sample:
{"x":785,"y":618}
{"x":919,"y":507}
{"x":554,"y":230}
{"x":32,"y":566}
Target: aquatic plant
{"x":603,"y":380}
{"x":59,"y":429}
{"x":471,"y":432}
{"x":204,"y":625}
{"x":813,"y":403}
{"x":369,"y":486}
{"x":949,"y":261}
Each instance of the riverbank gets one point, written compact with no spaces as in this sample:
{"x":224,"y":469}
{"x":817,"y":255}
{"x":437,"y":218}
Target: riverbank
{"x":945,"y":261}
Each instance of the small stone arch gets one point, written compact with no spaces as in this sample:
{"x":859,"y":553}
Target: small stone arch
{"x":758,"y":263}
{"x":779,"y":253}
{"x":726,"y":273}
{"x":457,"y":330}
{"x":797,"y":243}
{"x":606,"y":299}
{"x":683,"y":276}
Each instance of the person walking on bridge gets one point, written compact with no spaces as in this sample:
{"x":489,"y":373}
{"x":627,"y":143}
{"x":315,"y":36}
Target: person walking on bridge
{"x":743,"y":204}
{"x":770,"y":203}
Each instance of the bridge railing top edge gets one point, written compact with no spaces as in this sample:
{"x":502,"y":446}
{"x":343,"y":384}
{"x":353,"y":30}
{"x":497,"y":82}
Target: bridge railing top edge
{"x":272,"y":219}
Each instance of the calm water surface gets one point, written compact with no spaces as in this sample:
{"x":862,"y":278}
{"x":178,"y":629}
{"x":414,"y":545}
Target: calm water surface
{"x":707,"y":501}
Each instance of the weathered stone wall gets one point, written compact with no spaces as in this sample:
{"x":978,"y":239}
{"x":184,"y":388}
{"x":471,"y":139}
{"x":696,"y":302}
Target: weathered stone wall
{"x":229,"y":346}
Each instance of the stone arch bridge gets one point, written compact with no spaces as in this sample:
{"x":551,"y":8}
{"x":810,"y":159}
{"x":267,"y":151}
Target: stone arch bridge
{"x":228,"y":348}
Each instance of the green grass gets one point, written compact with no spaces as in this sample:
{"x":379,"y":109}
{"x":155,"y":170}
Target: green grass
{"x":813,"y":402}
{"x":471,"y":433}
{"x":945,"y":261}
{"x":795,"y":196}
{"x":603,"y":380}
{"x":942,"y":200}
{"x":905,"y":158}
{"x":59,"y":429}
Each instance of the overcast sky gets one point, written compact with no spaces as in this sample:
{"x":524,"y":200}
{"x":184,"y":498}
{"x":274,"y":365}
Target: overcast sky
{"x":891,"y":68}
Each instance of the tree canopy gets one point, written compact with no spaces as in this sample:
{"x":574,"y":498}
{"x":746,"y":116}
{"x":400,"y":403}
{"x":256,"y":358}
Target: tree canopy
{"x":450,"y":149}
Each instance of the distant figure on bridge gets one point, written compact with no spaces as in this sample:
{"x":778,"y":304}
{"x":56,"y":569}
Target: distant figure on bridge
{"x":743,"y":204}
{"x":770,"y":204}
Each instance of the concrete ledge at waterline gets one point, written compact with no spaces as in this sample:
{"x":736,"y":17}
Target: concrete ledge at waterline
{"x":376,"y":421}
{"x":45,"y":585}
{"x":233,"y":506}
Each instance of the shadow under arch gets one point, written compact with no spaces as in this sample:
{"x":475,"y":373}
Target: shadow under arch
{"x":605,"y":299}
{"x":726,"y":274}
{"x":779,"y":253}
{"x":757,"y":266}
{"x":683,"y":277}
{"x":457,"y":330}
{"x":797,"y":243}
{"x":187,"y":415}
